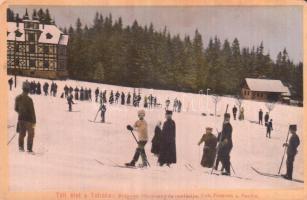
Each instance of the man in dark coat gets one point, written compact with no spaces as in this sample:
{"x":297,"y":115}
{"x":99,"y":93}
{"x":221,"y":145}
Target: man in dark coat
{"x":81,"y":94}
{"x":96,"y":95}
{"x":77,"y":93}
{"x":260,"y":116}
{"x":168,"y":141}
{"x":266,"y":118}
{"x":102,"y":110}
{"x":225,"y":144}
{"x":128,"y":98}
{"x":70,"y":102}
{"x":66,"y":91}
{"x":10,"y":81}
{"x":209,"y":150}
{"x":123,"y":98}
{"x":45,"y":88}
{"x":156,"y":140}
{"x":234,"y":112}
{"x":26,"y":118}
{"x":269,"y":128}
{"x":38,"y":88}
{"x":294,"y":142}
{"x":111,"y":99}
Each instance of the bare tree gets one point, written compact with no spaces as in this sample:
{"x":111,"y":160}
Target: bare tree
{"x":270,"y":106}
{"x":215,"y":99}
{"x":239,"y":101}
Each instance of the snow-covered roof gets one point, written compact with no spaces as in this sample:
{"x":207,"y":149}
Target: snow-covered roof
{"x":266,"y":85}
{"x":50,"y":34}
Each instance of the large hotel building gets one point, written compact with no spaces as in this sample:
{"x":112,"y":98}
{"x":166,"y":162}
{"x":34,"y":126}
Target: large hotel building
{"x":36,"y":49}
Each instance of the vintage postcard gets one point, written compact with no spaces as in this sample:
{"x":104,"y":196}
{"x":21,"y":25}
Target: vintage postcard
{"x":152,"y":100}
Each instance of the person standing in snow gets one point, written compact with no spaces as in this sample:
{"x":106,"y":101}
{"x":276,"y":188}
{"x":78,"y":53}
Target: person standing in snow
{"x":167,"y":102}
{"x":122,"y":98}
{"x":77,"y":93}
{"x":26,"y":118}
{"x":234,"y":112}
{"x":96,"y":94}
{"x":66,"y":91}
{"x":38,"y":88}
{"x":128,"y":98}
{"x":156,"y":140}
{"x":168,"y":141}
{"x":294,"y":142}
{"x":209,"y":150}
{"x":10,"y":81}
{"x":70,"y":102}
{"x":102,"y":110}
{"x":225,"y":145}
{"x":141,"y":128}
{"x":241,"y":115}
{"x":269,"y":128}
{"x":266,"y":118}
{"x":45,"y":88}
{"x":260,"y":116}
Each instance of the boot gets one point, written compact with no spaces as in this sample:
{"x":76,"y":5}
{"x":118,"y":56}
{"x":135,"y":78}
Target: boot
{"x":130,"y":164}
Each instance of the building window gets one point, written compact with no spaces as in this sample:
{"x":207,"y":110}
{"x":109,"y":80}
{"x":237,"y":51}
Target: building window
{"x":32,"y":48}
{"x":16,"y":61}
{"x":49,"y":36}
{"x":32,"y":63}
{"x":248,"y":93}
{"x":46,"y":49}
{"x":46,"y":64}
{"x":17,"y":48}
{"x":31,"y":37}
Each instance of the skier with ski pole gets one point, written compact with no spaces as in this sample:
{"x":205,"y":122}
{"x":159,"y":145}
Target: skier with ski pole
{"x":291,"y":149}
{"x":141,"y":127}
{"x":225,"y":144}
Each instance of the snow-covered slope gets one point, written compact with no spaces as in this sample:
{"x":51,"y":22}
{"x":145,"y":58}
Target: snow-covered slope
{"x":67,"y":145}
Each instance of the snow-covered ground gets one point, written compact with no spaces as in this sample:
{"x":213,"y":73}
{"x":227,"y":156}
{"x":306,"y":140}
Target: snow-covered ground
{"x":67,"y":145}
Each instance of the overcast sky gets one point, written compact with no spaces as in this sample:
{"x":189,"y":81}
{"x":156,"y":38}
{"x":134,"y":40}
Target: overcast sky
{"x":277,"y":27}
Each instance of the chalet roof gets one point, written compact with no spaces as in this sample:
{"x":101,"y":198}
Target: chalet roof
{"x":266,"y":85}
{"x":57,"y":36}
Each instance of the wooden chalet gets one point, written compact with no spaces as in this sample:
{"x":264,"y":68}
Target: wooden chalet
{"x":264,"y":90}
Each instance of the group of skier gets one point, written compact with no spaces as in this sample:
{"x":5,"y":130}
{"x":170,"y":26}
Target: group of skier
{"x":216,"y":149}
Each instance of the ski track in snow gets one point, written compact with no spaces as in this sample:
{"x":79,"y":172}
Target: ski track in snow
{"x":68,"y":144}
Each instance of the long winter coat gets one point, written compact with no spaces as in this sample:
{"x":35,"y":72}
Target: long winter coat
{"x":156,"y":140}
{"x":168,"y":143}
{"x":209,"y":151}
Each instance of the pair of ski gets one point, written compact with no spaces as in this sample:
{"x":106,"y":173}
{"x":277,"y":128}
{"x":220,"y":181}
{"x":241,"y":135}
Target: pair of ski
{"x":189,"y":167}
{"x":274,"y":175}
{"x":118,"y":165}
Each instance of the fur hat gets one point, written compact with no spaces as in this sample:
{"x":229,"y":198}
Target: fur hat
{"x":169,"y":112}
{"x":293,"y":127}
{"x":208,"y":129}
{"x":141,"y":112}
{"x":227,"y":115}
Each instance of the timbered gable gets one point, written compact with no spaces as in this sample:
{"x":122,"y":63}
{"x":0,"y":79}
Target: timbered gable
{"x":38,"y":48}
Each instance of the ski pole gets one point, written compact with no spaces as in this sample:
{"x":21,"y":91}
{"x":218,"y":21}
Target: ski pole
{"x":96,"y":115}
{"x":282,"y":160}
{"x":11,"y":139}
{"x":134,"y":137}
{"x":138,"y":143}
{"x":232,"y":168}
